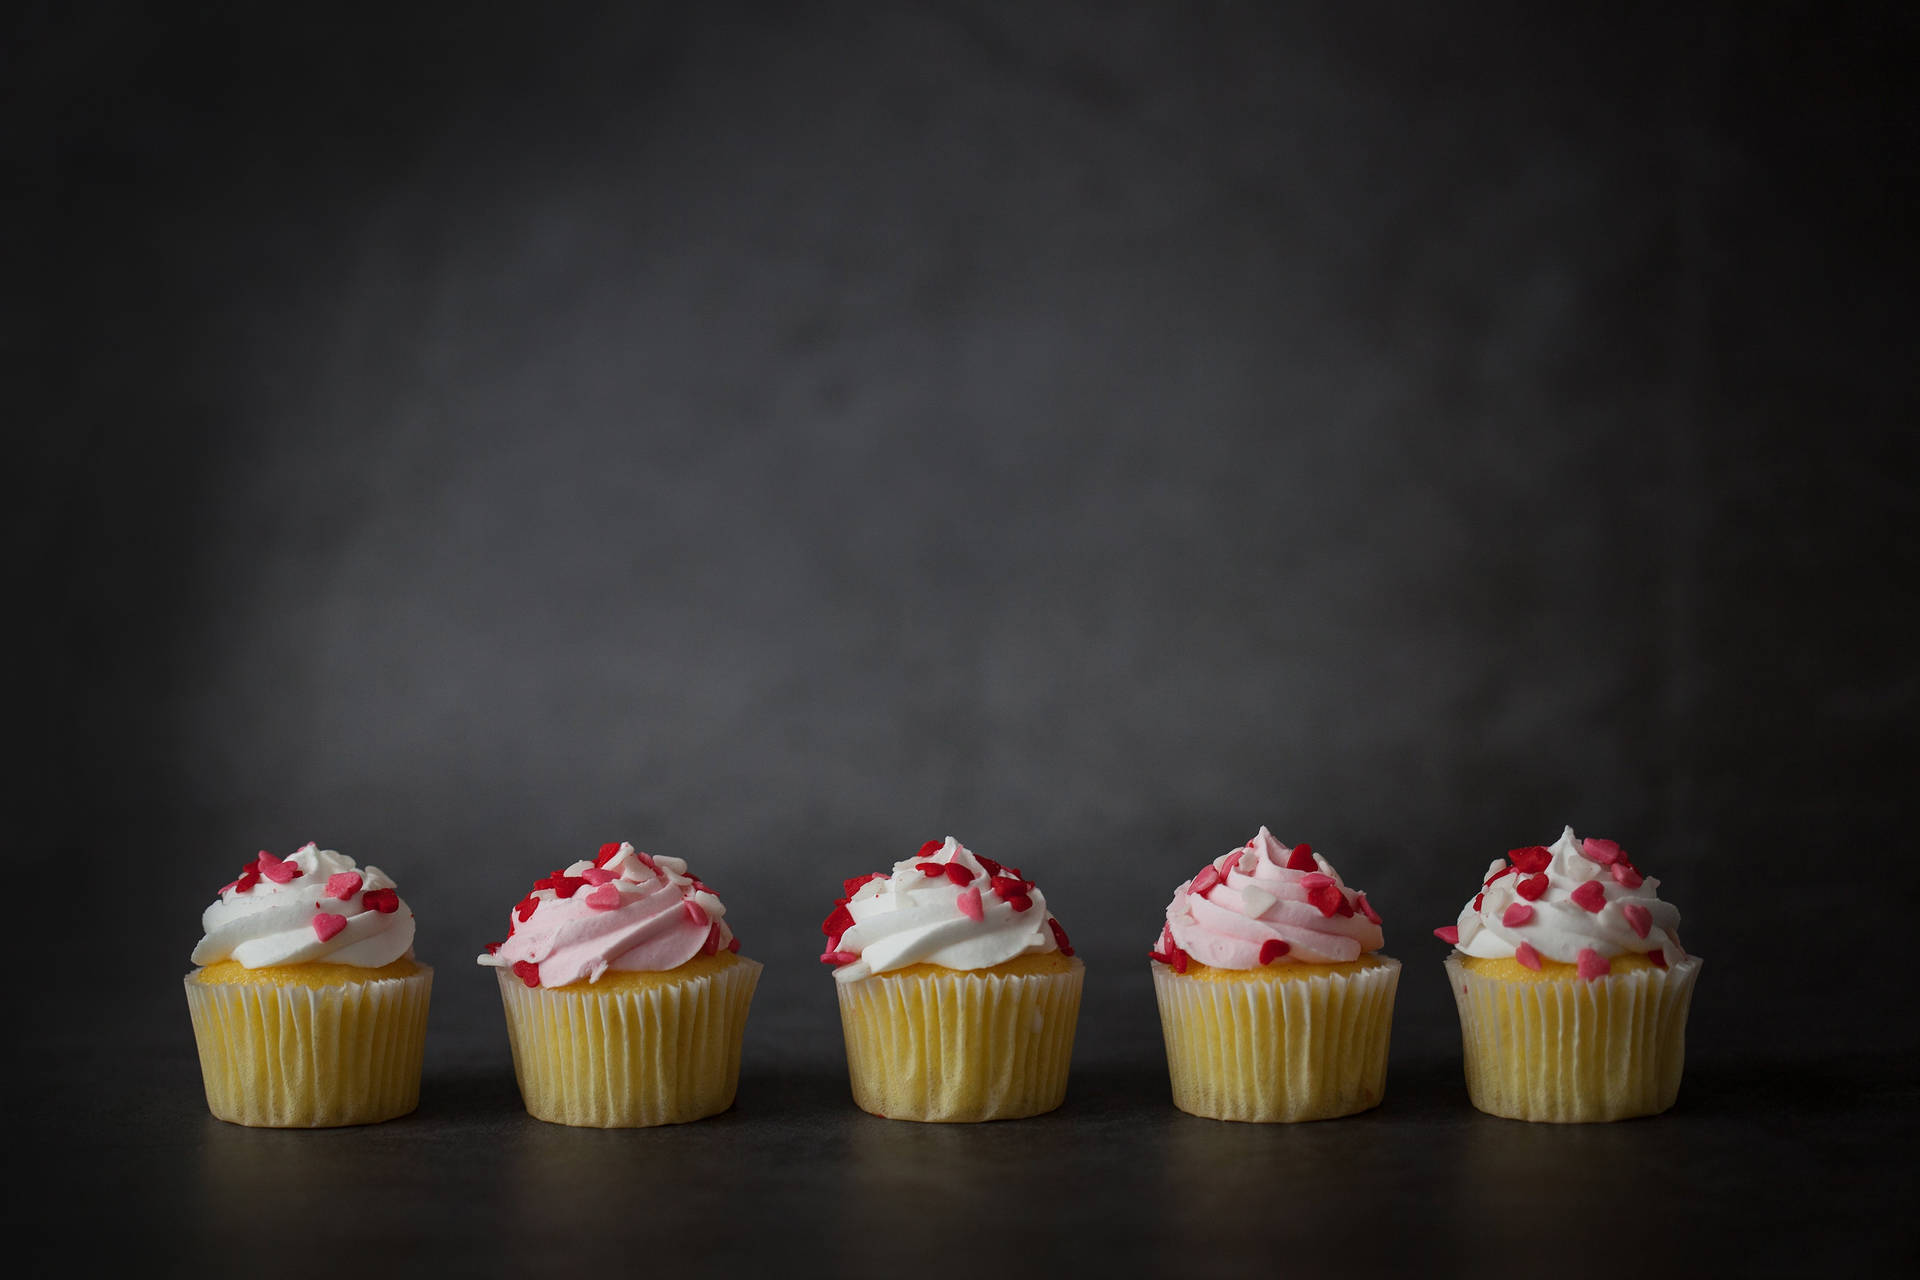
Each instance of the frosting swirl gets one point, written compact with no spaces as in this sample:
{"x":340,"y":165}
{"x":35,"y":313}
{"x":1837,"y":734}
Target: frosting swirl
{"x":313,"y":906}
{"x":946,"y":906}
{"x":623,"y":910}
{"x":1265,"y":903}
{"x":1577,"y":902}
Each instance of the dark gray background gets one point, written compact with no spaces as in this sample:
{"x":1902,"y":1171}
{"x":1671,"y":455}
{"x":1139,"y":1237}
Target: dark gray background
{"x":1091,"y":432}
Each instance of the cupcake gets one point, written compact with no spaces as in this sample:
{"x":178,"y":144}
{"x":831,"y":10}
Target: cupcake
{"x":1273,"y":1001}
{"x":625,"y":993}
{"x":958,"y":991}
{"x":308,"y":1007}
{"x":1572,"y":985}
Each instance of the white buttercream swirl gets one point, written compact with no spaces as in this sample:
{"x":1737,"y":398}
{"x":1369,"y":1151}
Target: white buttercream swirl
{"x":267,"y":917}
{"x":1559,"y":928}
{"x":913,"y":917}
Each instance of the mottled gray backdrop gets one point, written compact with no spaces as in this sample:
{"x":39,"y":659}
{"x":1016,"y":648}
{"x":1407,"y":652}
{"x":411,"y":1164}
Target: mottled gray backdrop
{"x":1089,"y":431}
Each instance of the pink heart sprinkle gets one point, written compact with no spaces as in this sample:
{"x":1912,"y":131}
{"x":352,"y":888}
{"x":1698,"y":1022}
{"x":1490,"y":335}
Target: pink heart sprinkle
{"x":969,"y":903}
{"x":604,"y":898}
{"x":1314,"y":880}
{"x":839,"y":957}
{"x":277,"y":871}
{"x":1625,"y":875}
{"x":597,"y":876}
{"x":1448,"y":933}
{"x":694,"y":911}
{"x":1207,"y":879}
{"x":1592,"y":964}
{"x":326,"y":924}
{"x":1639,"y":919}
{"x":1605,"y":852}
{"x":343,"y":885}
{"x":1590,"y":895}
{"x":1272,"y":949}
{"x":1527,"y":956}
{"x":1516,"y":914}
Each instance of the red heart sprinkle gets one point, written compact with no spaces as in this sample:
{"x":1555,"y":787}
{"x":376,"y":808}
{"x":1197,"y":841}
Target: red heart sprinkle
{"x":836,"y":924}
{"x":958,"y":873}
{"x":733,"y":945}
{"x":525,"y":907}
{"x":343,"y":884}
{"x":851,"y":887}
{"x":1516,"y":914}
{"x":712,"y":944}
{"x":1326,"y":898}
{"x":993,"y":868}
{"x":1345,"y":908}
{"x":565,"y":886}
{"x":1639,"y":919}
{"x":597,"y":876}
{"x":1605,"y":852}
{"x":1316,"y":880}
{"x":1179,"y":960}
{"x":1533,"y":858}
{"x":1507,"y":870}
{"x":1272,"y":949}
{"x":932,"y":847}
{"x":607,"y":853}
{"x":1527,"y":956}
{"x":277,"y":871}
{"x":1206,"y":880}
{"x":1532,"y":887}
{"x":1448,"y":933}
{"x":1060,"y":936}
{"x":837,"y":958}
{"x":1657,"y":958}
{"x":934,"y":869}
{"x":1301,"y":859}
{"x":604,"y":898}
{"x":1590,"y":895}
{"x":1007,"y":887}
{"x":694,"y":911}
{"x":1020,"y":902}
{"x":970,"y":906}
{"x":326,"y":924}
{"x":527,"y":971}
{"x":385,"y":901}
{"x":1478,"y":898}
{"x":1373,"y":917}
{"x":1592,"y":964}
{"x":1625,"y":874}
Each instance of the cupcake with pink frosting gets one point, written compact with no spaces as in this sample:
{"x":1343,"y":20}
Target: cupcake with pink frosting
{"x":959,"y":991}
{"x":1274,"y":1001}
{"x":1572,"y":985}
{"x":625,"y":993}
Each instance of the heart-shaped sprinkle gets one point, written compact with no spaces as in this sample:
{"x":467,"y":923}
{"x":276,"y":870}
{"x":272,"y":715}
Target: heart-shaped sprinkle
{"x":733,"y":945}
{"x":1590,"y":895}
{"x":1345,"y":908}
{"x":1592,"y":964}
{"x":277,"y":871}
{"x":1326,"y":898}
{"x":565,"y":886}
{"x":1625,"y":874}
{"x":932,"y":847}
{"x":604,"y":897}
{"x":1272,"y":949}
{"x":1060,"y":936}
{"x":597,"y":876}
{"x":1532,"y":859}
{"x":527,"y":971}
{"x":1301,"y":859}
{"x":326,"y":924}
{"x":933,"y":869}
{"x":839,"y":957}
{"x":1206,"y":880}
{"x":1179,"y":960}
{"x":607,"y":853}
{"x":959,"y":873}
{"x":1516,"y":914}
{"x":1316,"y":880}
{"x":1366,"y":909}
{"x":231,"y":884}
{"x":1604,"y":852}
{"x":1448,"y":933}
{"x":1639,"y":919}
{"x":1020,"y":902}
{"x":493,"y":948}
{"x":712,"y":944}
{"x":1007,"y":887}
{"x":385,"y":901}
{"x":1527,"y":956}
{"x":1478,"y":898}
{"x":1532,"y":887}
{"x":525,"y":907}
{"x":695,"y":912}
{"x":993,"y":868}
{"x":343,"y":884}
{"x":968,"y":900}
{"x":1657,"y":958}
{"x":851,"y":887}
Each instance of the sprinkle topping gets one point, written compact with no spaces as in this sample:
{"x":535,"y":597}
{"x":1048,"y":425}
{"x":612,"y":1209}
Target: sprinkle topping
{"x":326,"y":924}
{"x":1527,"y":956}
{"x":1639,"y":919}
{"x":1272,"y":949}
{"x":1593,"y":965}
{"x":1532,"y":887}
{"x":970,"y":905}
{"x":1449,"y":933}
{"x":1516,"y":914}
{"x":343,"y":884}
{"x":1590,"y":896}
{"x":1533,"y":859}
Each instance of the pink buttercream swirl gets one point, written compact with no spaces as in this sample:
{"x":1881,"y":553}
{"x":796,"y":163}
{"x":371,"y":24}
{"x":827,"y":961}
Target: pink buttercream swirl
{"x":1265,"y":903}
{"x":623,"y":910}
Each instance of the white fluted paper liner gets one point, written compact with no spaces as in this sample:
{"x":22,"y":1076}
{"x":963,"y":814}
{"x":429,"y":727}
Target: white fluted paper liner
{"x":624,"y":1058}
{"x":957,"y":1045}
{"x":296,"y":1057}
{"x":1275,"y":1049}
{"x":1567,"y":1050}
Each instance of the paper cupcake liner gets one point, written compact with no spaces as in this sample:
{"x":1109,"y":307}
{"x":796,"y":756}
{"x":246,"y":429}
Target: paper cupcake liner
{"x":294,"y":1057}
{"x":960,"y":1045}
{"x":1278,"y":1049}
{"x":1568,"y":1051}
{"x":625,"y":1058}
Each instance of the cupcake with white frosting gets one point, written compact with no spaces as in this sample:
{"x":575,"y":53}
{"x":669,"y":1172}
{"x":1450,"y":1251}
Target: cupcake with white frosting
{"x":625,"y":993}
{"x":1274,"y":1001}
{"x":308,"y":1007}
{"x":1572,"y":986}
{"x":959,"y":992}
